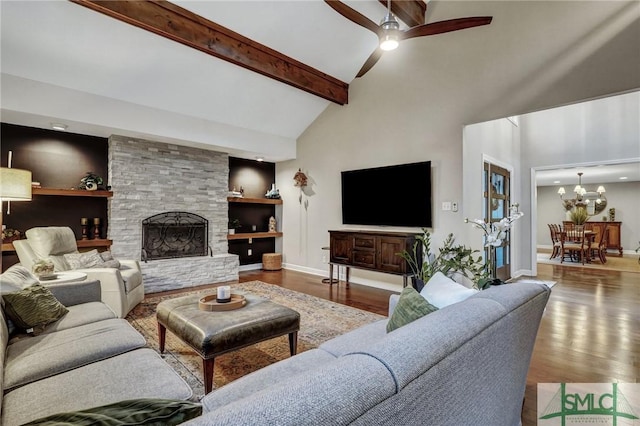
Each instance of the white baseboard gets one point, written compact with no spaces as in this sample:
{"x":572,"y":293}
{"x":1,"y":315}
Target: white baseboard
{"x":352,"y":279}
{"x":250,"y":267}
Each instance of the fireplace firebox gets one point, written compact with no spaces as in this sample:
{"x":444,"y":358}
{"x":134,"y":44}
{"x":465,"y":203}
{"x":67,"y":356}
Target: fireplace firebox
{"x":172,"y":235}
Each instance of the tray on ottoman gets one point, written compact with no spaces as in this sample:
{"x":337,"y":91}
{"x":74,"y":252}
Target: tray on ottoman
{"x":213,"y":333}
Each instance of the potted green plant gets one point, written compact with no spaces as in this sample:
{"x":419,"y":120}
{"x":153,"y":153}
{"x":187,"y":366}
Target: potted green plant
{"x":579,"y":215}
{"x":452,"y":259}
{"x":233,"y":225}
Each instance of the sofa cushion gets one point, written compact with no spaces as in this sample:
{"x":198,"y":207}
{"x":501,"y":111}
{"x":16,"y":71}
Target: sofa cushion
{"x":356,"y":340}
{"x":335,"y":393}
{"x":266,"y":377}
{"x":137,"y":374}
{"x":33,"y":308}
{"x":35,"y":358}
{"x":85,"y":313}
{"x":143,"y":411}
{"x":410,"y":307}
{"x":442,"y":291}
{"x":422,"y":348}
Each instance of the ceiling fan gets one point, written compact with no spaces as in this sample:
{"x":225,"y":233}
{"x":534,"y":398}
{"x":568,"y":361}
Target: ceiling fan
{"x":389,"y":33}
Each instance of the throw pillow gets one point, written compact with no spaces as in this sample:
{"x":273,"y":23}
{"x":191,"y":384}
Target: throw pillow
{"x":144,"y":411}
{"x":410,"y":307}
{"x":442,"y":291}
{"x":106,"y":255}
{"x":108,"y":264}
{"x":87,"y":259}
{"x":33,"y":308}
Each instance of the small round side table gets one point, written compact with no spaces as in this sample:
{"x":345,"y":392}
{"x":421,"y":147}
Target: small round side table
{"x":64,"y":277}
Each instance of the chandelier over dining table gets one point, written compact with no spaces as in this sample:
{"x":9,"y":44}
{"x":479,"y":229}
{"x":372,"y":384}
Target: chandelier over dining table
{"x":592,"y":201}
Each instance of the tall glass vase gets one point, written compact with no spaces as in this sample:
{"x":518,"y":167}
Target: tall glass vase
{"x":491,"y":261}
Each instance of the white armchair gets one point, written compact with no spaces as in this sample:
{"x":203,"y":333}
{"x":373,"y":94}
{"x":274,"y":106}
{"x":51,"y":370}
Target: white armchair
{"x":122,"y":289}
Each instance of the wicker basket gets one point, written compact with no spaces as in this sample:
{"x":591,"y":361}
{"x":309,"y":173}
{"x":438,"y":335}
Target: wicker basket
{"x":272,"y":261}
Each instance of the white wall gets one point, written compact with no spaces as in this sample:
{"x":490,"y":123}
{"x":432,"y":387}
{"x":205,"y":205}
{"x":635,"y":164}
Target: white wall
{"x":624,"y":197}
{"x":413,"y":105}
{"x":497,"y":142}
{"x":603,"y":131}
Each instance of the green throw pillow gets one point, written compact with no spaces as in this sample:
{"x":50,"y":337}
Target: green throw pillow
{"x":33,"y":308}
{"x":144,"y":411}
{"x":410,"y":307}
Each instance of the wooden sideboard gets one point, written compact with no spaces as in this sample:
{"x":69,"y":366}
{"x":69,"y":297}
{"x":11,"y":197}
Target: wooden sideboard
{"x":613,"y":242}
{"x":371,"y":250}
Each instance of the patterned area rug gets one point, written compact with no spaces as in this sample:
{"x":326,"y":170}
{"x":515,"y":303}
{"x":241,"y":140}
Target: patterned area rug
{"x":320,"y":320}
{"x":627,"y":263}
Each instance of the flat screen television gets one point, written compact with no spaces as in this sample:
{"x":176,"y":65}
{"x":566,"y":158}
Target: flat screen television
{"x":397,"y":195}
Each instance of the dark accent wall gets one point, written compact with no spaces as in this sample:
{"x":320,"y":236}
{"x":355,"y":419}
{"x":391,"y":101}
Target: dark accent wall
{"x":255,"y":178}
{"x":56,"y":160}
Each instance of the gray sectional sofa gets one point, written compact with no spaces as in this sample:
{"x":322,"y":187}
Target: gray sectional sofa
{"x":86,"y":359}
{"x":465,"y":364}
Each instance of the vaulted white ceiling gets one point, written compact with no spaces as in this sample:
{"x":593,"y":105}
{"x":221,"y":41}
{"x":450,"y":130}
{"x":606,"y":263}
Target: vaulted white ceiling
{"x":64,"y":62}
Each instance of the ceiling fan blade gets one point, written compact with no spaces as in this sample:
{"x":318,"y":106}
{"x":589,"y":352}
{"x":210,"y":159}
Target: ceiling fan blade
{"x":445,"y":26}
{"x":371,"y":61}
{"x":353,"y":15}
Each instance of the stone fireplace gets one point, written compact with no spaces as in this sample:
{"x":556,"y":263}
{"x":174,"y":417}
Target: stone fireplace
{"x":150,"y":179}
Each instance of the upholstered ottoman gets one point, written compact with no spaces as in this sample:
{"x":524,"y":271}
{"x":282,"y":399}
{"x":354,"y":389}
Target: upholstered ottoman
{"x":214,"y":333}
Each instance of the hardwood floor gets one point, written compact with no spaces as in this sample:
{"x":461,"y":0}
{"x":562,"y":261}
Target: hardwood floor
{"x":589,"y":333}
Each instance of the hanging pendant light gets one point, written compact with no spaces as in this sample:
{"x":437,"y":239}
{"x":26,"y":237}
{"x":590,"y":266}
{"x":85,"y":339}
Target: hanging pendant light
{"x":583,"y":198}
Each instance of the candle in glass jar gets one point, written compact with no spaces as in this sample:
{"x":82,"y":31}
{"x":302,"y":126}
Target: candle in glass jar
{"x":224,"y":294}
{"x":84,"y":221}
{"x":96,"y":221}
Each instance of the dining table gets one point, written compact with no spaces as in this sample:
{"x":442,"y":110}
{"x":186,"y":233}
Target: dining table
{"x":589,"y":236}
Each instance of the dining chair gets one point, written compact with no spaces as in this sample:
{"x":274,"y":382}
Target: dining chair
{"x":569,"y":229}
{"x":600,"y":247}
{"x":573,"y":244}
{"x":554,"y":230}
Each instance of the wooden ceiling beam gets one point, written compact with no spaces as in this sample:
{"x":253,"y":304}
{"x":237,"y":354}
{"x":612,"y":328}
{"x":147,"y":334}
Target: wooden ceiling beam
{"x":178,"y":24}
{"x":411,"y":12}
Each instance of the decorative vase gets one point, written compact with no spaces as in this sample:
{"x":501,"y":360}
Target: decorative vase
{"x":612,"y":215}
{"x":491,"y":261}
{"x":417,"y":283}
{"x":272,"y":224}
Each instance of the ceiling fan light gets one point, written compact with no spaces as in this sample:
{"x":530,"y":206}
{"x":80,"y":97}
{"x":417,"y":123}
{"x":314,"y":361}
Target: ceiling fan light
{"x":389,"y":41}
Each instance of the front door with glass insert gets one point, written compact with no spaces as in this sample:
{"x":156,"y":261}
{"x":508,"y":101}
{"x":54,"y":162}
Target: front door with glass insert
{"x":497,"y":187}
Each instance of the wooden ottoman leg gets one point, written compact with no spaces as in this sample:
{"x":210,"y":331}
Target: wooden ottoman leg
{"x":293,"y":343}
{"x":208,"y":374}
{"x":162,"y":333}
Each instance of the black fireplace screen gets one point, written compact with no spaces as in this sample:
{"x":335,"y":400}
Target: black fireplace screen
{"x":174,"y":234}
